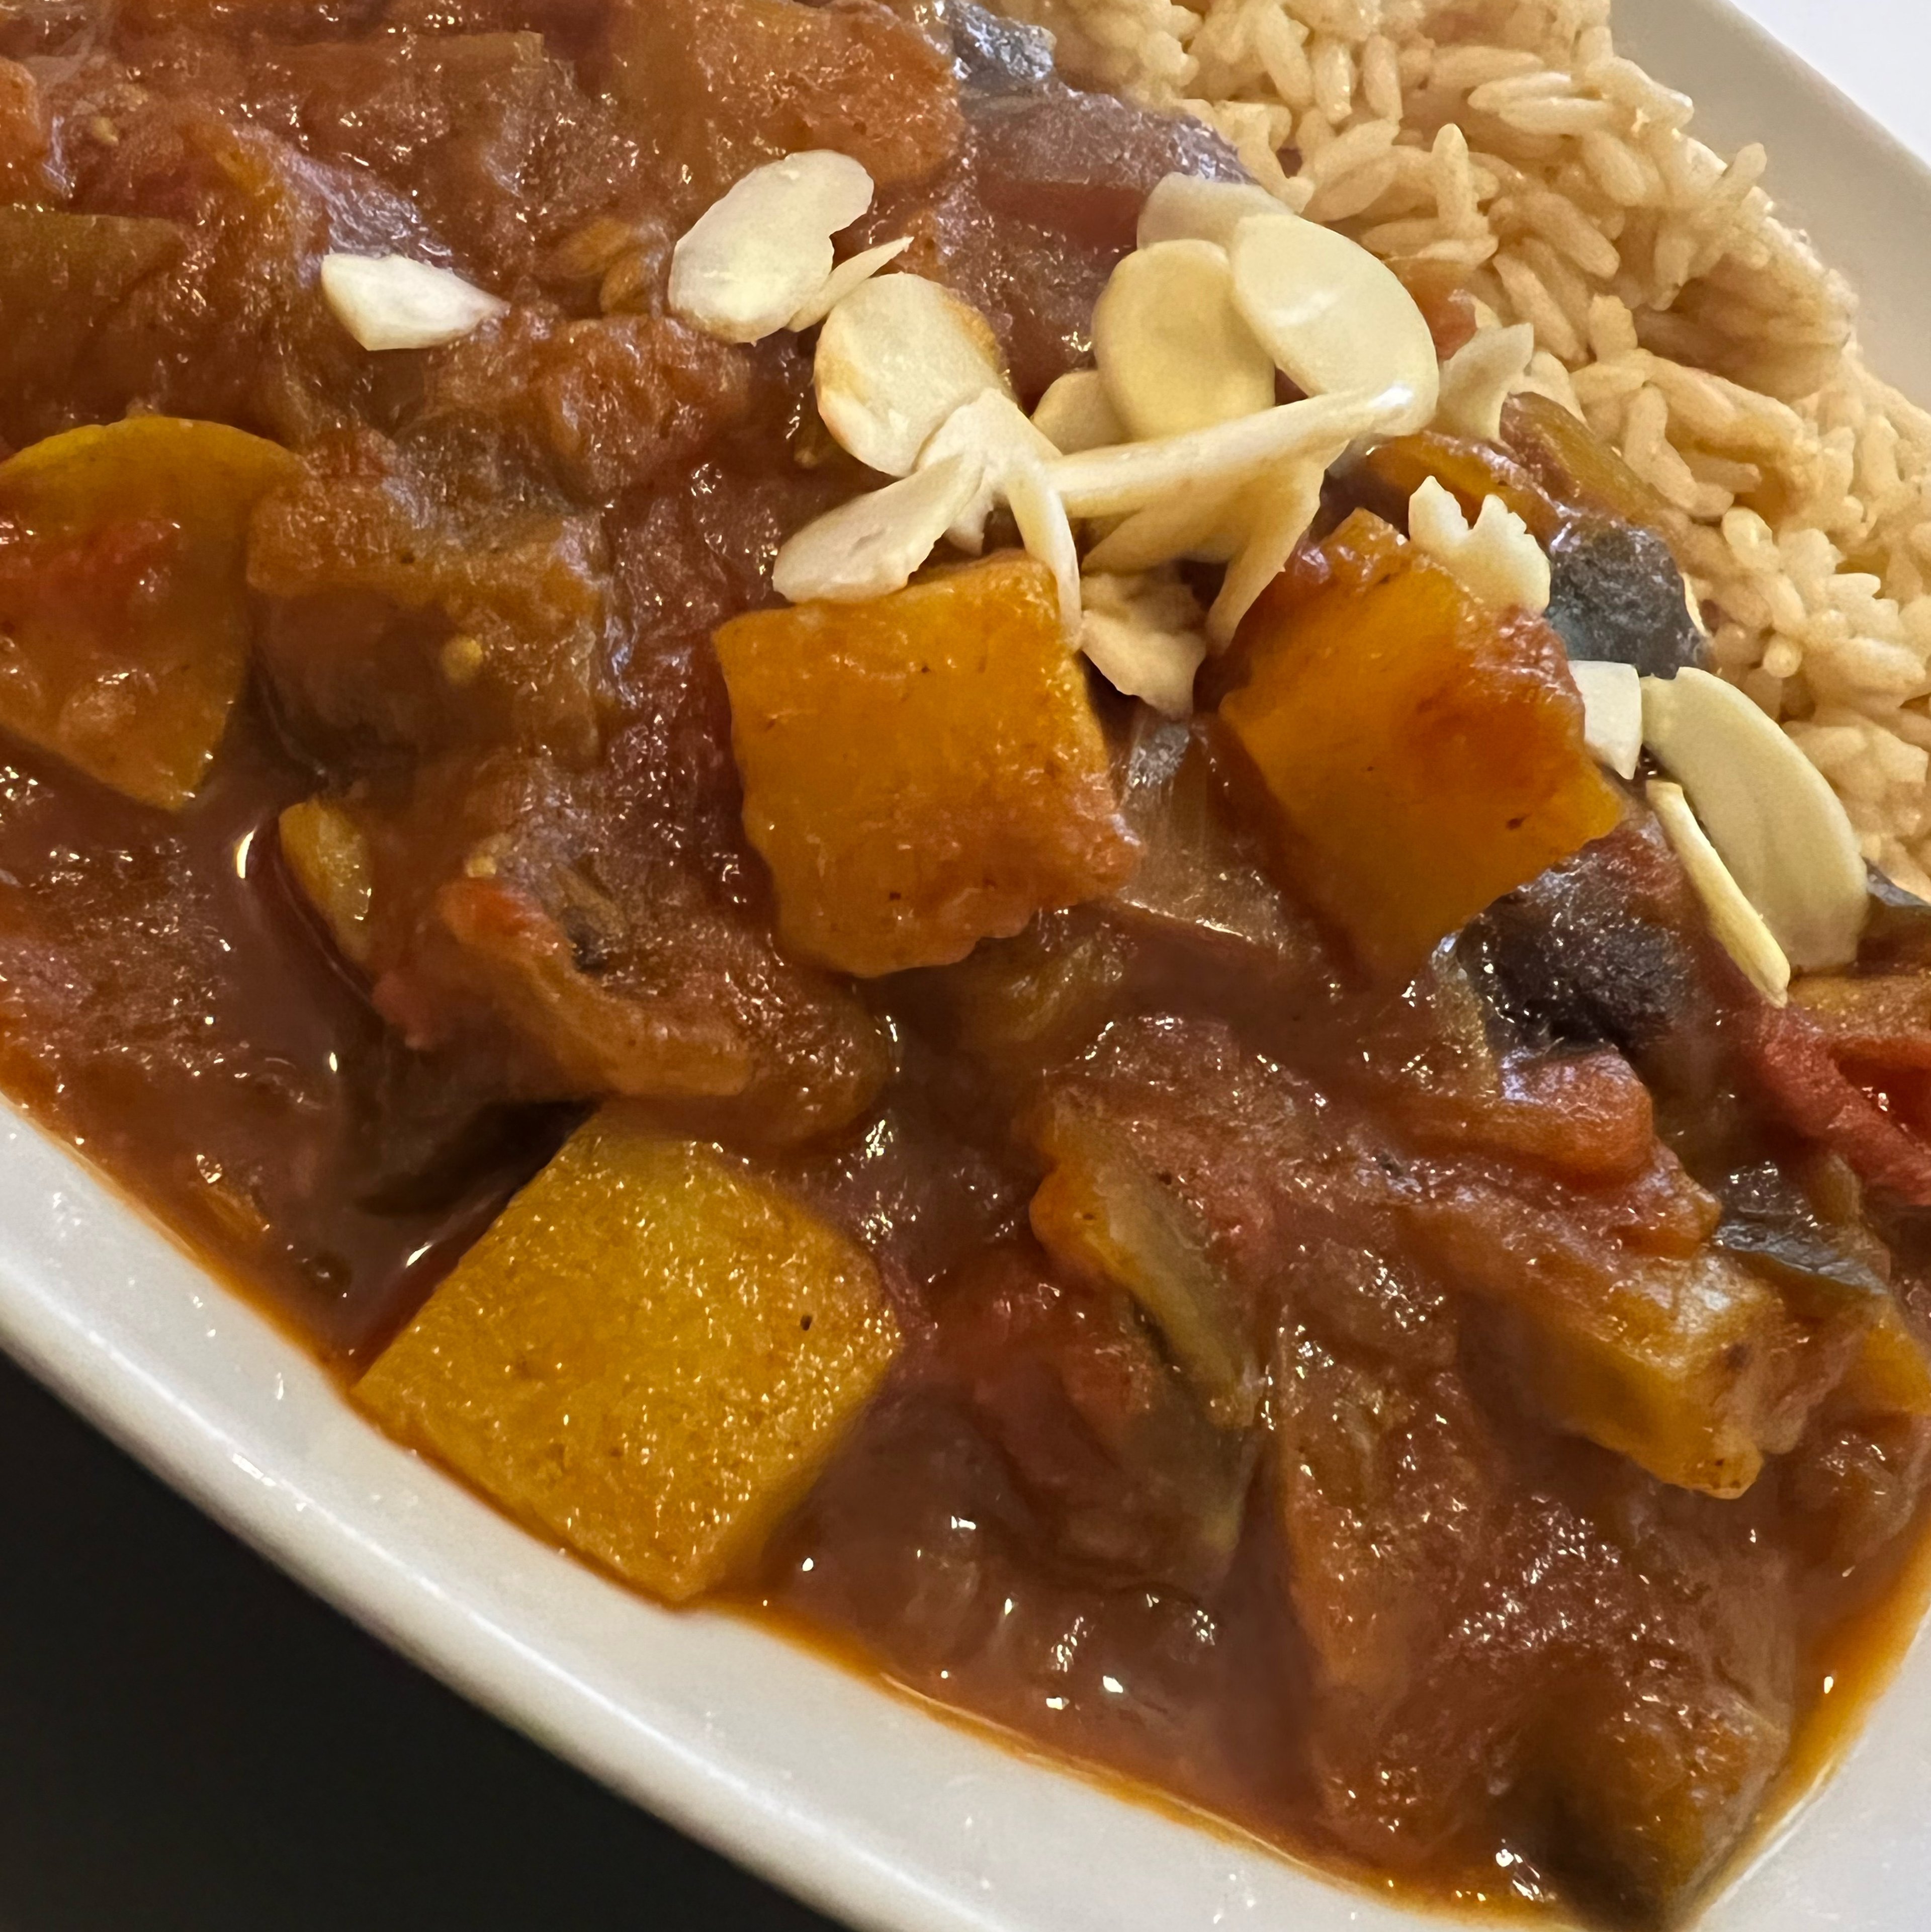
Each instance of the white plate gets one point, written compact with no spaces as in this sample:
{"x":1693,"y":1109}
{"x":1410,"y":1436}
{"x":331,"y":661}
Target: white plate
{"x":849,"y":1797}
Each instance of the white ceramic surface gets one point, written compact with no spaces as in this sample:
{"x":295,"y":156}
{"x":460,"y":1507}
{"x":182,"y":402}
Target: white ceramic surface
{"x":851,"y":1797}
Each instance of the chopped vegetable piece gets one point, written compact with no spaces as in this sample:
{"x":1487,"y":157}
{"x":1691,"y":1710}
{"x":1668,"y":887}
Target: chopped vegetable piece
{"x":1770,"y":1222}
{"x":1892,"y":1373}
{"x":1103,"y":1213}
{"x":1423,"y":755}
{"x":650,"y":1354}
{"x":123,"y":609}
{"x":1616,"y":596}
{"x":923,"y":771}
{"x":1575,"y":465}
{"x":1691,"y":1368}
{"x":328,"y":854}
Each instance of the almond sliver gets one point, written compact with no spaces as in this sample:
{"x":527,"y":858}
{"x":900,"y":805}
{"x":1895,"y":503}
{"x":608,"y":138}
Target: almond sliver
{"x":1075,"y":413}
{"x":992,"y":429}
{"x":1333,"y":317}
{"x":1284,"y":504}
{"x":1496,"y":560}
{"x":896,"y":358}
{"x":755,"y":258}
{"x":1184,"y":208}
{"x":1172,"y":348}
{"x":390,"y":301}
{"x":845,"y":277}
{"x":870,"y":547}
{"x":1479,"y":378}
{"x":1612,"y":712}
{"x":1129,"y":476}
{"x":1206,"y":525}
{"x":1142,"y":638}
{"x":1046,"y":532}
{"x":1783,"y":835}
{"x":1739,"y":927}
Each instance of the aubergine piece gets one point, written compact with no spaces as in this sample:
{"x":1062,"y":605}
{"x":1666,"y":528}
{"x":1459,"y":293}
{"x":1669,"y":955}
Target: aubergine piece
{"x":1616,"y":596}
{"x":1897,"y":936}
{"x":1770,"y":1224}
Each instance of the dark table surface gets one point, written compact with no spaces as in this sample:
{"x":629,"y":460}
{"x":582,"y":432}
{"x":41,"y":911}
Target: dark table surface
{"x":190,"y":1743}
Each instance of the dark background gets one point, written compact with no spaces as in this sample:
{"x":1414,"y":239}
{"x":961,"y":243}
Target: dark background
{"x":189,"y":1741}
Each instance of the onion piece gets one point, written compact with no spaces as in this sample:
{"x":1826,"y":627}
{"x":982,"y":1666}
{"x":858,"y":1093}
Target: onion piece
{"x":390,"y":301}
{"x":870,"y":547}
{"x":1612,"y":712}
{"x":1783,"y":835}
{"x":1739,"y":925}
{"x":896,"y":358}
{"x":1333,"y":317}
{"x":1172,"y":347}
{"x":759,"y":255}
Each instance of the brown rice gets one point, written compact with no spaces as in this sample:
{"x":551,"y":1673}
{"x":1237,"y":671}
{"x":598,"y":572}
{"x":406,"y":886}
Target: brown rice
{"x":1672,"y":310}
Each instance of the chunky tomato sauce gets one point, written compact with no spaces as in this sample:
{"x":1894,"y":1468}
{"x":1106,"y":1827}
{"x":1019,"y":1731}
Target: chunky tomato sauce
{"x":1541,"y":1423}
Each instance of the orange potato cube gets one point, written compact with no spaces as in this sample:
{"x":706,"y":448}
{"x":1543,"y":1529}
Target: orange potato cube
{"x":923,"y":771}
{"x":1420,"y":755}
{"x":124,"y":614}
{"x":649,"y":1356}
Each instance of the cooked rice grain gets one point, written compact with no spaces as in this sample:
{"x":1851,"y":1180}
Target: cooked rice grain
{"x":1672,"y":310}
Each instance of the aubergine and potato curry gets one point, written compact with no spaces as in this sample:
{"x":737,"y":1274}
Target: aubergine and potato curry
{"x":1305,"y":1220}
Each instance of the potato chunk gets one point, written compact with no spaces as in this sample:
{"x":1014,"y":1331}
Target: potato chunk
{"x":649,"y":1356}
{"x":123,"y":618}
{"x":1422,"y":756}
{"x":923,"y":771}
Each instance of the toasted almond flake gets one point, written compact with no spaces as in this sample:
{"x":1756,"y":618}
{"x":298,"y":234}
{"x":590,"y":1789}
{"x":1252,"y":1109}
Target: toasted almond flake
{"x":1479,"y":377}
{"x":1782,"y":833}
{"x":1284,"y":506}
{"x":1333,"y":317}
{"x":1172,"y":347}
{"x":845,"y":277}
{"x":992,"y":430}
{"x":895,"y":359}
{"x":1184,"y":208}
{"x":759,"y":255}
{"x":1497,"y":561}
{"x":1129,"y":476}
{"x":1739,"y":927}
{"x":1047,"y":533}
{"x":1612,"y":713}
{"x":1075,"y":413}
{"x":1156,"y":667}
{"x":389,"y":302}
{"x":1207,"y":525}
{"x":870,"y":547}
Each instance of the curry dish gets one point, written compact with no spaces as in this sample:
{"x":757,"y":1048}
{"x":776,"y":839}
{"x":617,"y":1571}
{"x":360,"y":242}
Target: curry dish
{"x":906,"y":863}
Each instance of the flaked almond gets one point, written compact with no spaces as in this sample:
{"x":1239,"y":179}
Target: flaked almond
{"x":1283,"y":506}
{"x":1143,"y":637}
{"x":895,"y":359}
{"x":757,"y":257}
{"x":1740,"y":929}
{"x":845,"y":277}
{"x":1496,"y":561}
{"x":992,"y":429}
{"x":1209,"y":526}
{"x":1612,"y":713}
{"x":1332,"y":316}
{"x":1129,"y":476}
{"x":390,"y":301}
{"x":870,"y":547}
{"x":1184,"y":208}
{"x":1480,"y":378}
{"x":1047,"y":534}
{"x":1075,"y":414}
{"x":1784,"y":836}
{"x":1172,"y":347}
